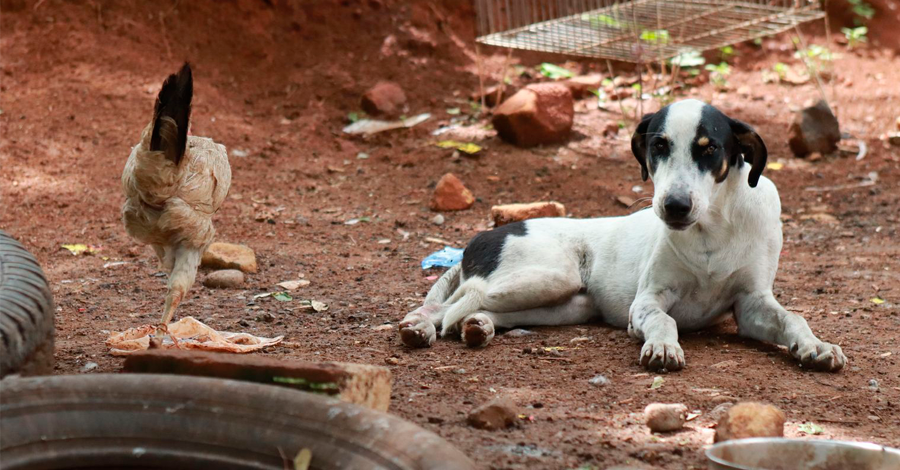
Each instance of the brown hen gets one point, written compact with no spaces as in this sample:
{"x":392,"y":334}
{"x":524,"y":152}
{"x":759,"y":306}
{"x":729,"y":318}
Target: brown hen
{"x":173,"y":184}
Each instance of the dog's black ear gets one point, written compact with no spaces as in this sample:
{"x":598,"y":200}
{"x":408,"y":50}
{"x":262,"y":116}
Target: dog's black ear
{"x":752,"y":147}
{"x":639,"y":144}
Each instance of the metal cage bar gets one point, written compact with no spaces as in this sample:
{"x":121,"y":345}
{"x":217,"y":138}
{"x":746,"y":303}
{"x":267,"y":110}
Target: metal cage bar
{"x":635,"y":30}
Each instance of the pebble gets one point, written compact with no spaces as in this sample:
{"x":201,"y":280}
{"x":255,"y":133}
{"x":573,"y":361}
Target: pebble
{"x":229,"y":256}
{"x":89,"y":367}
{"x":539,"y":114}
{"x":750,"y":419}
{"x":438,"y":219}
{"x":498,"y":413}
{"x":224,"y":279}
{"x":873,"y":385}
{"x":451,"y":195}
{"x":665,"y":417}
{"x":599,"y":380}
{"x":518,"y":332}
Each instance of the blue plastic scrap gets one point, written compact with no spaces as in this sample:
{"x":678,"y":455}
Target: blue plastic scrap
{"x":445,"y":258}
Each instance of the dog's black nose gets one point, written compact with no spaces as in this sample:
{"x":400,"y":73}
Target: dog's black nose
{"x":677,"y":206}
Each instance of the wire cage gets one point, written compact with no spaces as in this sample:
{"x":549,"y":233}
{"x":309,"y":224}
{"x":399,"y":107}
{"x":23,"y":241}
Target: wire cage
{"x":635,"y":30}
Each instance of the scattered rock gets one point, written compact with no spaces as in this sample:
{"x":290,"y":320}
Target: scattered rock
{"x":451,"y":195}
{"x":873,"y":385}
{"x":582,"y":85}
{"x":750,"y":419}
{"x":664,"y":417}
{"x":229,"y":256}
{"x":89,"y":366}
{"x":491,"y":93}
{"x":719,"y":411}
{"x":224,"y":279}
{"x":509,"y":213}
{"x":391,"y":361}
{"x":538,"y":114}
{"x":815,"y":129}
{"x":518,"y":332}
{"x":438,"y":219}
{"x":293,"y":285}
{"x":385,"y":98}
{"x":498,"y":413}
{"x":599,"y":380}
{"x":611,"y":129}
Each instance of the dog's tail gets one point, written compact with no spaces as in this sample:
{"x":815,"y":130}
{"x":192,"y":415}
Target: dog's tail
{"x":445,"y":286}
{"x":467,"y":300}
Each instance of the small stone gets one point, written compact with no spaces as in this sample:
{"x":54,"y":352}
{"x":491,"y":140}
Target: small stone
{"x":539,"y":114}
{"x":498,"y":413}
{"x":438,"y":219}
{"x":518,"y":332}
{"x":580,"y":339}
{"x":664,"y":417}
{"x":385,"y":98}
{"x":293,"y":285}
{"x":873,"y":385}
{"x":815,"y":129}
{"x":610,"y":129}
{"x":750,"y":419}
{"x":224,"y":279}
{"x":451,"y":195}
{"x":229,"y":256}
{"x":392,"y":361}
{"x":599,"y":380}
{"x":509,"y":213}
{"x":385,"y":327}
{"x":582,"y":85}
{"x":89,"y":366}
{"x":266,"y":318}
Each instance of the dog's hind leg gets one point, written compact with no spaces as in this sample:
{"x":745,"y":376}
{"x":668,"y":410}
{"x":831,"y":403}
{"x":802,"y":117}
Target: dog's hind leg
{"x":478,"y":329}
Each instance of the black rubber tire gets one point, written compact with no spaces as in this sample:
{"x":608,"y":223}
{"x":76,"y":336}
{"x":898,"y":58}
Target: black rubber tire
{"x":26,"y":312}
{"x":169,"y":421}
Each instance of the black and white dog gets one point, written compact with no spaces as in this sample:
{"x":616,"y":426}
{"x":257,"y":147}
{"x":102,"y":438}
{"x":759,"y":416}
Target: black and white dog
{"x":710,"y":246}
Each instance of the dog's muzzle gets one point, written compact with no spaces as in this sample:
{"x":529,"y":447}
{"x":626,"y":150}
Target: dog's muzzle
{"x":677,"y":211}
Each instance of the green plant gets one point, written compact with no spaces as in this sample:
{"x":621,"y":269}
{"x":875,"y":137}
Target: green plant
{"x":601,"y":20}
{"x":816,"y":58}
{"x":555,"y":72}
{"x":718,"y":74}
{"x":855,"y":36}
{"x":687,"y":59}
{"x":658,"y":36}
{"x":862,"y":10}
{"x":727,"y":52}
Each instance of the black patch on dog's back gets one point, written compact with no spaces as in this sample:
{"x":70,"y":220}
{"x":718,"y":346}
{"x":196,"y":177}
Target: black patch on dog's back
{"x":482,"y":255}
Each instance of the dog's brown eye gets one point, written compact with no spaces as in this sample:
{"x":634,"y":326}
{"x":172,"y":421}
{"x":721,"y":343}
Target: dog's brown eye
{"x":660,"y":146}
{"x":710,"y":149}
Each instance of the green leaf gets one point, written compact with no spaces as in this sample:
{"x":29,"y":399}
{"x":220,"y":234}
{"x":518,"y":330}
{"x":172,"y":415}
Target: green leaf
{"x":282,"y":296}
{"x":812,"y":429}
{"x":555,"y":72}
{"x":601,"y":20}
{"x":353,"y":117}
{"x":659,"y":36}
{"x":689,"y":58}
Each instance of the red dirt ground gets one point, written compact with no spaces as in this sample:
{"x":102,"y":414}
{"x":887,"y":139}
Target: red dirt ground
{"x":278,"y":79}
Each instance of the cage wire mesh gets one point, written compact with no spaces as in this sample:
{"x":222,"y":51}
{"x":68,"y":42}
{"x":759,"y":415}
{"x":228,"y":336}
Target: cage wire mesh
{"x":635,"y":30}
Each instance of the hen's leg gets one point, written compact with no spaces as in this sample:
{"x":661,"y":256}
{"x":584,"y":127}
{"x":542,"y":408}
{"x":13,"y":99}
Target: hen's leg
{"x":166,"y":257}
{"x":187,"y":260}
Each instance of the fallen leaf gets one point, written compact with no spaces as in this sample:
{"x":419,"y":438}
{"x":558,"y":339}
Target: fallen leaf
{"x":877,"y":300}
{"x":465,"y":147}
{"x":80,"y":248}
{"x":318,"y":306}
{"x":282,"y":296}
{"x":657,"y":382}
{"x":810,"y":428}
{"x":302,"y":460}
{"x":262,"y":296}
{"x":293,"y":285}
{"x":555,"y":348}
{"x":774,"y":166}
{"x":625,"y":201}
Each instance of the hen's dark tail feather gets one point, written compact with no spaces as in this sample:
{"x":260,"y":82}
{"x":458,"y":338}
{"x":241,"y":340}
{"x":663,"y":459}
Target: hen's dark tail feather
{"x":172,"y":115}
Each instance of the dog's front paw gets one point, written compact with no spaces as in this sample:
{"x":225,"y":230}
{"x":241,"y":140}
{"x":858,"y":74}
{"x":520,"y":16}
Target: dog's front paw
{"x":656,"y":355}
{"x":417,"y":331}
{"x":819,"y":355}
